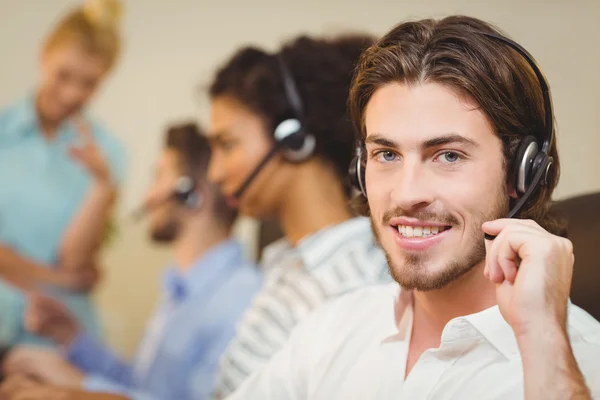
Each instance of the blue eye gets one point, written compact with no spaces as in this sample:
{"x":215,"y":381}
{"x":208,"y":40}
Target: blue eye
{"x":449,"y":157}
{"x":385,"y":156}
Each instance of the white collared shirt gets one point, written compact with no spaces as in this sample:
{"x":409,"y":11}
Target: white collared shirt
{"x":298,"y":280}
{"x":354,"y":349}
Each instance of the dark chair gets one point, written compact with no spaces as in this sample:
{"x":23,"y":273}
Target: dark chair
{"x":583,"y":218}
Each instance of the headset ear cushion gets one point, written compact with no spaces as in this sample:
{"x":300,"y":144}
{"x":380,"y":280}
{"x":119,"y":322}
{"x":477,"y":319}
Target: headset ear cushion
{"x":296,"y":144}
{"x":357,"y":172}
{"x":353,"y":172}
{"x":304,"y":152}
{"x":523,"y":164}
{"x":185,"y":190}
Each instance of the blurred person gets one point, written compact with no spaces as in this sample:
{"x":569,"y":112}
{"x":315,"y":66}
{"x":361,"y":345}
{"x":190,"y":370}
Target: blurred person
{"x":205,"y":292}
{"x":59,"y":171}
{"x":457,"y":134}
{"x":282,"y":143}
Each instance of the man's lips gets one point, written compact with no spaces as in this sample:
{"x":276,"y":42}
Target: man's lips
{"x":407,"y":221}
{"x":414,"y":234}
{"x":419,"y":238}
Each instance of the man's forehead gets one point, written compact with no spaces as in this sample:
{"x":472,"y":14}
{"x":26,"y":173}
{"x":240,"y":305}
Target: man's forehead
{"x":417,"y":114}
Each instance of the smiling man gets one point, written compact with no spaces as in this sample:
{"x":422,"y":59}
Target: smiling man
{"x":457,"y":132}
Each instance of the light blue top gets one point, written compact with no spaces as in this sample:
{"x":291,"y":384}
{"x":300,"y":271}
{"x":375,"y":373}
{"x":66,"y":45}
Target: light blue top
{"x":183,"y":342}
{"x":41,"y":188}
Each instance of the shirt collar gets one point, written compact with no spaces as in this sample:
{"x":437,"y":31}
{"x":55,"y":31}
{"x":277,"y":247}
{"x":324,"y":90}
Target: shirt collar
{"x":488,"y":324}
{"x":494,"y":328}
{"x":219,"y":260}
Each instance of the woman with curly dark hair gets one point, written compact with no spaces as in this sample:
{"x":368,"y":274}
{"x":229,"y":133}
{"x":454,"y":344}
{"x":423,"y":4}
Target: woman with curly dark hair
{"x":282,"y":142}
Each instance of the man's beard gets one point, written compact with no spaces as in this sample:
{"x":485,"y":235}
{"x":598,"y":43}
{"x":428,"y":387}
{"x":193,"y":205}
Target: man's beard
{"x":414,"y":274}
{"x":167,"y":232}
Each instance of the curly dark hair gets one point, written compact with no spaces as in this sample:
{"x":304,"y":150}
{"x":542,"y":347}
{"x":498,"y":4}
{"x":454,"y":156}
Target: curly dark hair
{"x":322,"y":69}
{"x":193,"y":150}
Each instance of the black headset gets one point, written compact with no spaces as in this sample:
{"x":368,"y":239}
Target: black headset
{"x":184,"y":192}
{"x":532,"y":164}
{"x":291,"y":138}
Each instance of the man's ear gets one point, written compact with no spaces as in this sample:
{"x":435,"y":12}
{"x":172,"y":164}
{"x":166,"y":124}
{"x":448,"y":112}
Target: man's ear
{"x":512,"y":192}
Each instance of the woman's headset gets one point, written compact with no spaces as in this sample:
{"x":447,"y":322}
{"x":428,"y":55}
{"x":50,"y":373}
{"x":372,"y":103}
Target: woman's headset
{"x":532,"y":164}
{"x":291,"y":138}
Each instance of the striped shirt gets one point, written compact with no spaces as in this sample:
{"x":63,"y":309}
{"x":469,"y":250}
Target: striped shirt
{"x":327,"y":264}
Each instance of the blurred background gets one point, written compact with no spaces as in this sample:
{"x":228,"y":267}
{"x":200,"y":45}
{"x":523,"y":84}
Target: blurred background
{"x":173,"y":47}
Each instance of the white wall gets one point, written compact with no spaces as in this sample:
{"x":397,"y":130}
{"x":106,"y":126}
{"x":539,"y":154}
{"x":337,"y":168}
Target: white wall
{"x":173,"y":47}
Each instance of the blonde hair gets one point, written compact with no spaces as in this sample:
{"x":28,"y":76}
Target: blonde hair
{"x":95,"y":26}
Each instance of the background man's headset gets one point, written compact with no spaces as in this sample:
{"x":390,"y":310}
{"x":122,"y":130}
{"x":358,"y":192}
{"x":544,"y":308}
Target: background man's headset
{"x":185,"y":192}
{"x":291,"y":138}
{"x":532,"y":163}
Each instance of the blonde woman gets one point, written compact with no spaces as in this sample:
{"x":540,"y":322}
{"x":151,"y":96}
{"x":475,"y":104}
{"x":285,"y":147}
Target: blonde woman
{"x":59,"y":171}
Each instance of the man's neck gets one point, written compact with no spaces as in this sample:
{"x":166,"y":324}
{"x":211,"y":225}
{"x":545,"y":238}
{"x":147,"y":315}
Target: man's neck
{"x":469,"y":294}
{"x":194,"y":241}
{"x":432,"y":310}
{"x":314,"y":201}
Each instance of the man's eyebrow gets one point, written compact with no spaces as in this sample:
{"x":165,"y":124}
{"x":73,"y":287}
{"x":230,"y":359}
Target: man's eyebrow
{"x":451,"y":138}
{"x":380,"y":140}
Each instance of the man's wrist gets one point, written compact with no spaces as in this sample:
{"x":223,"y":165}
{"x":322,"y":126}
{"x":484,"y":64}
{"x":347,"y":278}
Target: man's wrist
{"x":549,"y":365}
{"x":542,"y":332}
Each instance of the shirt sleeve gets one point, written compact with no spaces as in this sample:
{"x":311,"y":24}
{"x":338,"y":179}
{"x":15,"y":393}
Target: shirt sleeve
{"x":94,"y":358}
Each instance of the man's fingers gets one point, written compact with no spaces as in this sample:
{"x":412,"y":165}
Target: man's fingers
{"x":501,"y":259}
{"x":494,"y":271}
{"x":496,"y":226}
{"x":508,"y":248}
{"x":488,"y":258}
{"x":508,"y":261}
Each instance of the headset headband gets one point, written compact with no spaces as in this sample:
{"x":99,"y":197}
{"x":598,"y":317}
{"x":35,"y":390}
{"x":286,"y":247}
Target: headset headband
{"x":290,"y":89}
{"x":548,"y":107}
